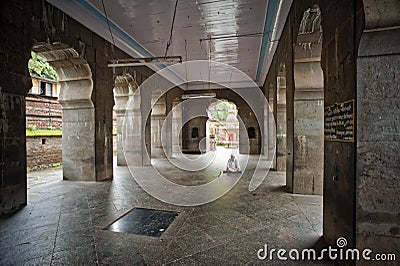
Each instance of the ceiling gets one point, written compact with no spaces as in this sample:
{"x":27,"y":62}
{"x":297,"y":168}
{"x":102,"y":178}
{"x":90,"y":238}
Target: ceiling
{"x":241,"y":33}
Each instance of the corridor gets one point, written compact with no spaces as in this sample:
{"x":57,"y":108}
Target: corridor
{"x":65,"y":220}
{"x":151,"y":98}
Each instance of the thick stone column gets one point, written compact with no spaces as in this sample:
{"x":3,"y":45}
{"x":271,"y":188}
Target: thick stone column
{"x":378,"y":128}
{"x":308,"y":124}
{"x":157,"y":122}
{"x":267,"y":131}
{"x":272,"y":99}
{"x":281,"y":123}
{"x":13,"y":189}
{"x":123,"y":90}
{"x":166,"y":136}
{"x":308,"y":129}
{"x":176,"y":127}
{"x":78,"y":157}
{"x":137,"y":137}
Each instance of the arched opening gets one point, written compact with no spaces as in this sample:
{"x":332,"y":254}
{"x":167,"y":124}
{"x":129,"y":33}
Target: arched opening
{"x":222,"y":125}
{"x":43,"y":121}
{"x":308,"y":124}
{"x":78,"y":129}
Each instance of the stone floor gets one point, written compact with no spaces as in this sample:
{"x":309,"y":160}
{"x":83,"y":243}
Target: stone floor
{"x":64,"y":221}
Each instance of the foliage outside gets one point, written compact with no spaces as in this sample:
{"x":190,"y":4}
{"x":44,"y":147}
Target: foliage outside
{"x":220,"y":111}
{"x":38,"y":67}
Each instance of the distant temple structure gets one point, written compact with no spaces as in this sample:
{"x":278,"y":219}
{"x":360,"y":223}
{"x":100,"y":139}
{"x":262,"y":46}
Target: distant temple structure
{"x":227,"y":133}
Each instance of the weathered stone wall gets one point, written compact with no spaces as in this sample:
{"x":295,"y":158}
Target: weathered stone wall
{"x":378,"y":127}
{"x":341,"y":23}
{"x":43,"y":112}
{"x":194,"y":119}
{"x":43,"y":151}
{"x":340,"y":28}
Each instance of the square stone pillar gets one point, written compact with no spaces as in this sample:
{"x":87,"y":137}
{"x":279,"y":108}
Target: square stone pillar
{"x":135,"y":136}
{"x":176,"y":127}
{"x":78,"y":141}
{"x":13,"y":187}
{"x":378,"y":129}
{"x":158,"y":127}
{"x":281,"y":124}
{"x":308,"y":148}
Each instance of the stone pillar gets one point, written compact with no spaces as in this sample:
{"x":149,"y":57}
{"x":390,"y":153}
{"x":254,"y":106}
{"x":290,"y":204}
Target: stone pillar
{"x":76,"y":87}
{"x":78,"y":157}
{"x":123,"y":90}
{"x":378,"y":128}
{"x":244,"y":142}
{"x":273,"y":104}
{"x":120,"y":151}
{"x":157,"y":123}
{"x":308,"y":150}
{"x":13,"y":189}
{"x":166,"y":136}
{"x":265,"y":146}
{"x":308,"y":107}
{"x":281,"y":123}
{"x":176,"y":127}
{"x":137,"y":137}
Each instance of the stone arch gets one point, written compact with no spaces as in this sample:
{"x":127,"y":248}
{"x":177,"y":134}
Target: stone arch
{"x":75,"y":78}
{"x":248,"y":117}
{"x":124,"y":87}
{"x":308,"y":107}
{"x":231,"y":128}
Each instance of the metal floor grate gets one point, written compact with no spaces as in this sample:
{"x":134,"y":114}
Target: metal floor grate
{"x":141,"y":221}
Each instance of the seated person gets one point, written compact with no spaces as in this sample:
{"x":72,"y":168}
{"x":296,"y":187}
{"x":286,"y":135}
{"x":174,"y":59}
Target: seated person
{"x":232,"y":166}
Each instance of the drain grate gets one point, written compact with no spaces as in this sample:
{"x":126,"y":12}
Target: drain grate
{"x":141,"y":221}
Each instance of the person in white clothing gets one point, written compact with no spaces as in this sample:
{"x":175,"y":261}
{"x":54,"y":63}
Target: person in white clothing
{"x":232,"y":166}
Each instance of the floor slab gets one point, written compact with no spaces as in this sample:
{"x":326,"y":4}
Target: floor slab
{"x":64,"y":221}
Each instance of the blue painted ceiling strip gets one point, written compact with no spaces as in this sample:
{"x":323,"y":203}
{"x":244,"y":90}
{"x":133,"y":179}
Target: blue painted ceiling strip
{"x":269,"y":19}
{"x":100,"y":16}
{"x":117,"y":29}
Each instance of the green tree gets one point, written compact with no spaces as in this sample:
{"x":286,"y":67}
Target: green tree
{"x":38,"y":67}
{"x":220,"y":110}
